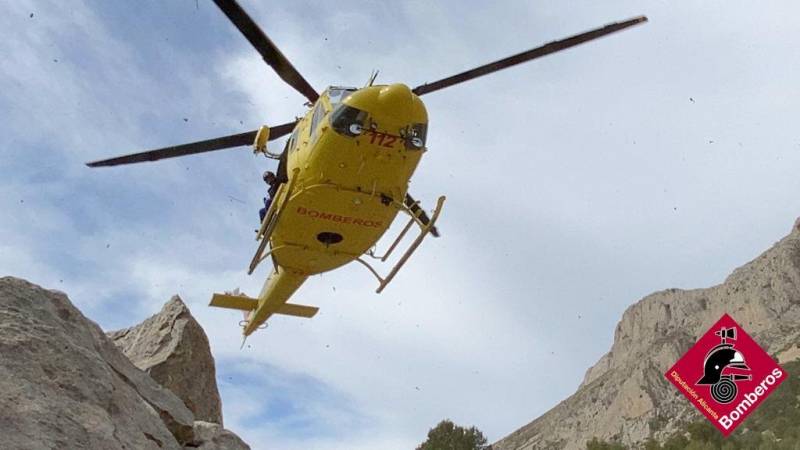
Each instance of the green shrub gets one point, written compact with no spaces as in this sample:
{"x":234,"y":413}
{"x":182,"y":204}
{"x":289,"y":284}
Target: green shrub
{"x":449,"y":436}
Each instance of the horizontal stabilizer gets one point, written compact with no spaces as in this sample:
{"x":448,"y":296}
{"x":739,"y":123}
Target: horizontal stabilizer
{"x":244,"y":303}
{"x":291,"y":309}
{"x":234,"y":302}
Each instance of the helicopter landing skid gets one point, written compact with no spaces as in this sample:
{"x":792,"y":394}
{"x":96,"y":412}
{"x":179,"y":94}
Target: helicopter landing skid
{"x":424,"y":231}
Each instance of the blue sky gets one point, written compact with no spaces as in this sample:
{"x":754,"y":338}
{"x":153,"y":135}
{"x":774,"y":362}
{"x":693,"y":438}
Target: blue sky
{"x":663,"y":156}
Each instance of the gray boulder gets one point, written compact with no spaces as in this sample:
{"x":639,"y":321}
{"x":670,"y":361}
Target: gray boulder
{"x":211,"y":436}
{"x":173,"y":349}
{"x":64,"y":384}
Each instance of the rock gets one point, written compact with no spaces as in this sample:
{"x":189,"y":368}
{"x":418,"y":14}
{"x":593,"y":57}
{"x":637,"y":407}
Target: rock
{"x":211,"y":436}
{"x":625,"y":396}
{"x":64,"y":384}
{"x":789,"y":354}
{"x":173,"y":349}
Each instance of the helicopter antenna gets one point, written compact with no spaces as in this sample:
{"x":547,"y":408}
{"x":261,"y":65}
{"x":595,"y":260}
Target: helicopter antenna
{"x":372,"y":77}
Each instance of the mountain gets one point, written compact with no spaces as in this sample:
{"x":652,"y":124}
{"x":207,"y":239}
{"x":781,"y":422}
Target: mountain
{"x":64,"y":384}
{"x":625,"y":398}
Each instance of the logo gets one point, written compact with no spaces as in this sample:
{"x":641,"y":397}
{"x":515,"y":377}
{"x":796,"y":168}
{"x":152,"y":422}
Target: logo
{"x":726,"y":375}
{"x":720,"y":359}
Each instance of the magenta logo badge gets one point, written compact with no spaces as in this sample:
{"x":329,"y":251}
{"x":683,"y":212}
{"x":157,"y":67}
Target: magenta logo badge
{"x":718,"y":365}
{"x":726,"y":375}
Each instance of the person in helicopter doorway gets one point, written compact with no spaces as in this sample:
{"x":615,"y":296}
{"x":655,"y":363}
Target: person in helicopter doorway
{"x":272,"y":182}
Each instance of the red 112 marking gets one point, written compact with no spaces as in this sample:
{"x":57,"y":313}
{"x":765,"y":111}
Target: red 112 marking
{"x":384,"y":140}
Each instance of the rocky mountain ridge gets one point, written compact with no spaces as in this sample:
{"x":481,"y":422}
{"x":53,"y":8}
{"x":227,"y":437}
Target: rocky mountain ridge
{"x":65,"y":384}
{"x":625,"y":398}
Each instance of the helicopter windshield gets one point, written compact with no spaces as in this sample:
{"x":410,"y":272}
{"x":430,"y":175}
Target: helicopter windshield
{"x":337,"y":94}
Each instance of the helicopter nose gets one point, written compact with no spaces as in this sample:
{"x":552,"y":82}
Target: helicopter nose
{"x":397,"y":97}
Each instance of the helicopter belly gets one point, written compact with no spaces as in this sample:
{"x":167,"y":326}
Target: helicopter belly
{"x":325,"y":226}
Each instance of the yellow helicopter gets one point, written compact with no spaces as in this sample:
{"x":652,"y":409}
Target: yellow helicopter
{"x":342,"y":176}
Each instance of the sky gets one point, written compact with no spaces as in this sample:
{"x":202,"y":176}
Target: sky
{"x":662,"y":156}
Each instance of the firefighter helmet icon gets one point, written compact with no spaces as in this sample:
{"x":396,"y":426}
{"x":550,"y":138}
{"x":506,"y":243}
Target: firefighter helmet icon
{"x":718,"y":360}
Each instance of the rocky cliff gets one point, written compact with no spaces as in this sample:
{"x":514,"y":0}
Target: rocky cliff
{"x":64,"y":384}
{"x":625,"y":397}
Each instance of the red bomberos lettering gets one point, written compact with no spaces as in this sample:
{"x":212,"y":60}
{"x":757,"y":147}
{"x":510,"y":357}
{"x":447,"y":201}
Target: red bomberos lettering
{"x":314,"y":214}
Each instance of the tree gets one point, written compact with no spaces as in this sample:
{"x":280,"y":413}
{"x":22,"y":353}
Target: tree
{"x":449,"y":436}
{"x":597,"y":444}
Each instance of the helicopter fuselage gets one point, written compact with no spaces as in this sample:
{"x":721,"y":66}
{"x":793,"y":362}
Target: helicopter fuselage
{"x":345,"y":172}
{"x":352,"y":173}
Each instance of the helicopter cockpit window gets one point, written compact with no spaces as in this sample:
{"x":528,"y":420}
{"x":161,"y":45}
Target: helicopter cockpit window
{"x":336,"y":94}
{"x":347,"y":120}
{"x":415,"y":137}
{"x":292,"y":142}
{"x":319,"y":113}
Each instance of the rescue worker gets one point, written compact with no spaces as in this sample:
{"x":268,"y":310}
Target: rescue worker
{"x":272,"y":182}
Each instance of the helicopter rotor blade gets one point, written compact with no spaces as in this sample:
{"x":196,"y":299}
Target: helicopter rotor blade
{"x":210,"y":145}
{"x":519,"y":58}
{"x":268,"y":50}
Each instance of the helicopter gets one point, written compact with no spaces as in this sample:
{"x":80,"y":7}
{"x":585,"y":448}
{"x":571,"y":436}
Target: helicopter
{"x":342,"y":175}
